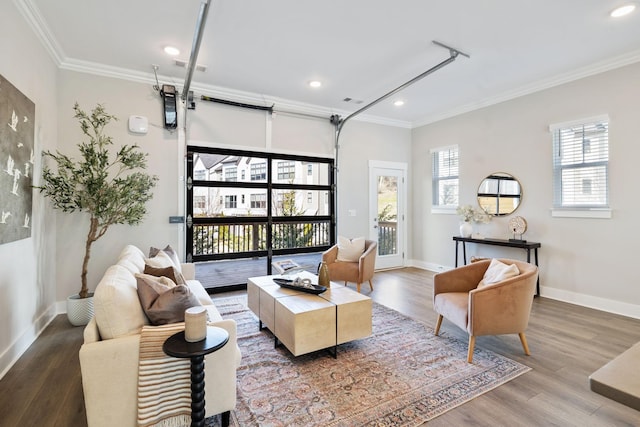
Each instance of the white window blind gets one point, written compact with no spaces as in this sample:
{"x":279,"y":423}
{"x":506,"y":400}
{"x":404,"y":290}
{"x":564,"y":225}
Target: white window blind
{"x":444,"y":175}
{"x":581,"y":164}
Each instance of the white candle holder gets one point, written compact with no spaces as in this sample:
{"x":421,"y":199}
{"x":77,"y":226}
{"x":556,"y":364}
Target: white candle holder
{"x":195,"y":324}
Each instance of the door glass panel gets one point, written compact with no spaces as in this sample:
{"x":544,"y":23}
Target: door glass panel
{"x":300,"y":172}
{"x":214,"y":202}
{"x":300,"y":203}
{"x":387,"y":215}
{"x":229,"y":168}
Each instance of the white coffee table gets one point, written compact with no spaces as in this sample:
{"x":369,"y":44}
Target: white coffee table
{"x":306,"y":322}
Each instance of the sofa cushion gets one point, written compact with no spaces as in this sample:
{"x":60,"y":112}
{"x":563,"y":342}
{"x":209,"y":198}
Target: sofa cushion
{"x":170,"y":272}
{"x":162,"y":300}
{"x":349,"y":250}
{"x":160,"y":260}
{"x":116,"y":305}
{"x":133,"y":255}
{"x":200,"y":292}
{"x":497,"y":272}
{"x":169,"y":251}
{"x":454,"y":306}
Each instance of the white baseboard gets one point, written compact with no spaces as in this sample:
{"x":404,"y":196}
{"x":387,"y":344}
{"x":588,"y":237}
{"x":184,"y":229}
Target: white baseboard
{"x":597,"y":303}
{"x":22,"y":343}
{"x":430,"y":266}
{"x":61,"y":307}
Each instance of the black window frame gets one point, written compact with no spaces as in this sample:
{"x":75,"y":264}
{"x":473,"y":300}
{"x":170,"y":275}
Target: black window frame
{"x":270,"y":184}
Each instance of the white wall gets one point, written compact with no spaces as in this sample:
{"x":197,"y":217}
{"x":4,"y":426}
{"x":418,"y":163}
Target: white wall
{"x":27,"y":269}
{"x":359,"y":143}
{"x":122,"y":99}
{"x":586,"y":261}
{"x":213,"y":125}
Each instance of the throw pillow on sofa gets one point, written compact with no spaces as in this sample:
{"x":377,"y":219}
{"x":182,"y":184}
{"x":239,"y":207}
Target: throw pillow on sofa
{"x":116,"y":304}
{"x":170,"y":252}
{"x":497,"y":272}
{"x":170,"y":272}
{"x":350,"y":250}
{"x":162,"y":300}
{"x":161,"y":260}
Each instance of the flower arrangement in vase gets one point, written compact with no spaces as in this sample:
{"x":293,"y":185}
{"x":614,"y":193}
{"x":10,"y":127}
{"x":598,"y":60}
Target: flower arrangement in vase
{"x":469,"y":214}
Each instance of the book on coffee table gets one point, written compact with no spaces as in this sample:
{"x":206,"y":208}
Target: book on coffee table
{"x":285,"y":265}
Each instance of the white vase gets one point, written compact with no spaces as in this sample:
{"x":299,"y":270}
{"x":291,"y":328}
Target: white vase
{"x":466,"y":229}
{"x":79,"y":310}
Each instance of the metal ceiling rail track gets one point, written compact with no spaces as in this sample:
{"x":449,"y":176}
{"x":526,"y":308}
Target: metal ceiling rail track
{"x":195,"y":48}
{"x":339,"y":122}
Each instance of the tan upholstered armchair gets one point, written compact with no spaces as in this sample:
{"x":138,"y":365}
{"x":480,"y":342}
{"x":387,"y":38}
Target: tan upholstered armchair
{"x":355,"y":272}
{"x":500,"y":308}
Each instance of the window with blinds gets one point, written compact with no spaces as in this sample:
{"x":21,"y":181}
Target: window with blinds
{"x":444,"y":175}
{"x":581,"y":164}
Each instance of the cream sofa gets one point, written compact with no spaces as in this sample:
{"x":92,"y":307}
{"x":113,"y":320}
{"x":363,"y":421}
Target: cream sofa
{"x":109,"y":355}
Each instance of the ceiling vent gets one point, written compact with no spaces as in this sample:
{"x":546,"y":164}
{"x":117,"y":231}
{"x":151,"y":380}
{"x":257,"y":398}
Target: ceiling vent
{"x":183,"y":64}
{"x":352,"y":101}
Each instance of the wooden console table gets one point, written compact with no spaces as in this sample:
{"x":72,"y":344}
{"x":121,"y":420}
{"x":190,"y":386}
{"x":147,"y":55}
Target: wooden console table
{"x":527,"y":245}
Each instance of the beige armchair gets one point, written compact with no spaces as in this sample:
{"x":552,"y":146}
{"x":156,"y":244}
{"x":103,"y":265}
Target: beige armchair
{"x":500,"y":308}
{"x":355,"y":272}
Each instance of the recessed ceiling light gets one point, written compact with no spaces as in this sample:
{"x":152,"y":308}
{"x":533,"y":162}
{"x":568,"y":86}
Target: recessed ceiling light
{"x":623,"y":10}
{"x":170,"y":50}
{"x":398,"y":103}
{"x":315,"y":83}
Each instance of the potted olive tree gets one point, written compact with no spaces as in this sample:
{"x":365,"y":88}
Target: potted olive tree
{"x":108,"y":185}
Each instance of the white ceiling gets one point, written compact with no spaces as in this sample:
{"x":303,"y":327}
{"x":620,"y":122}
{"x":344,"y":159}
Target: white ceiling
{"x":267,"y":51}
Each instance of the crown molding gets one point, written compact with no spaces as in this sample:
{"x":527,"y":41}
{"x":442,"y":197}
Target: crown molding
{"x":39,"y":26}
{"x":580,"y":73}
{"x":280,"y":104}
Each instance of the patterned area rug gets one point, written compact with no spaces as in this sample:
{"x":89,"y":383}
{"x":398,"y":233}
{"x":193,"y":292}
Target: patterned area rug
{"x":402,"y":375}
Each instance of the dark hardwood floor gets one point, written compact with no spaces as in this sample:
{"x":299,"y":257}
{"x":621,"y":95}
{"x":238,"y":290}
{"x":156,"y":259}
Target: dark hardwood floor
{"x":567,"y":343}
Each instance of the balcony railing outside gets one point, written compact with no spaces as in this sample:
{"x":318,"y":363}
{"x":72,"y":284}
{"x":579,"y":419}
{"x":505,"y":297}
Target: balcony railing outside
{"x":387,"y":237}
{"x":235,"y":238}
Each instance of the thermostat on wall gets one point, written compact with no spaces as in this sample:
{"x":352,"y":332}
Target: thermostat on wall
{"x":138,"y":124}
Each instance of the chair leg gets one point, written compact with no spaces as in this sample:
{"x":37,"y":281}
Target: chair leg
{"x":224,"y":418}
{"x":472,"y":343}
{"x":438,"y":324}
{"x":358,"y":286}
{"x":525,"y":346}
{"x":370,"y":285}
{"x":345,"y":283}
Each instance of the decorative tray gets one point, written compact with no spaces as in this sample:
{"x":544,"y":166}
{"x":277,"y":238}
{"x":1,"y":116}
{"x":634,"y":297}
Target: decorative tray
{"x":300,"y":285}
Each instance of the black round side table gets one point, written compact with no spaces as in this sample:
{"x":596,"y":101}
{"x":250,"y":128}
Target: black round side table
{"x":177,"y":346}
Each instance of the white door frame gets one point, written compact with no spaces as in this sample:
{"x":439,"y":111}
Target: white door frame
{"x":374,"y":166}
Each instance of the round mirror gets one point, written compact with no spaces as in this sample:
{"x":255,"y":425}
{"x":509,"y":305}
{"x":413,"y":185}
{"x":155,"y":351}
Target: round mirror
{"x":499,"y":194}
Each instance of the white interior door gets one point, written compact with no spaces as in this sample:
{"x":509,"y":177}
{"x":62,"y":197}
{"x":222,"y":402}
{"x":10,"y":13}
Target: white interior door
{"x":387,"y":212}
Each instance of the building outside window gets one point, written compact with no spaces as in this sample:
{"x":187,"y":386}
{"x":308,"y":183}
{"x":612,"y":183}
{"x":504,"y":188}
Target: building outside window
{"x":258,"y":201}
{"x":200,"y":174}
{"x":231,"y":173}
{"x":258,"y":171}
{"x":199,"y":202}
{"x":231,"y":202}
{"x":286,"y":170}
{"x":445,"y":176}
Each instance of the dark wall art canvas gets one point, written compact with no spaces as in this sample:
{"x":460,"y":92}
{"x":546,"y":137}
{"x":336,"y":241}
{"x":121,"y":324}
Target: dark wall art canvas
{"x":17,"y":130}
